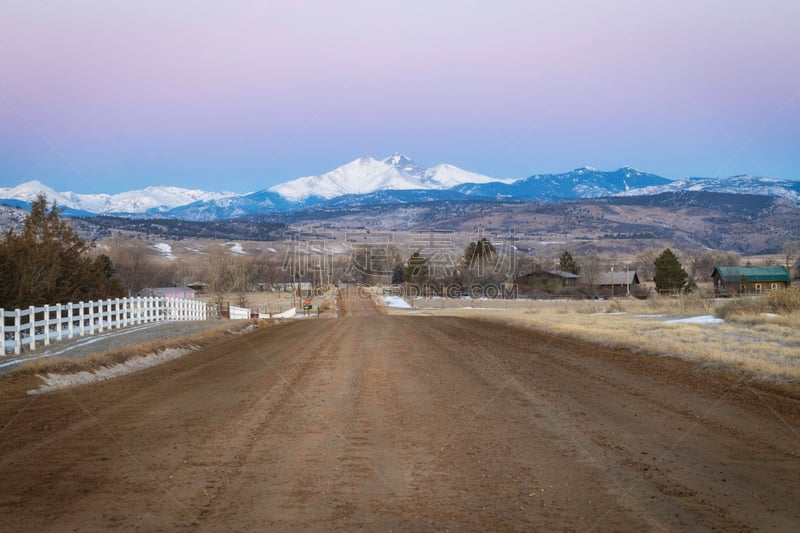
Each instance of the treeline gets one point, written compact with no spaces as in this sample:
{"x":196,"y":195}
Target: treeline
{"x":48,"y":263}
{"x":249,"y":228}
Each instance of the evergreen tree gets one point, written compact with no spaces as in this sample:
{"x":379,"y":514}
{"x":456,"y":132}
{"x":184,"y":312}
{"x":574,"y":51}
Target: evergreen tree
{"x":398,"y":274}
{"x":417,"y":270}
{"x":48,"y":262}
{"x":568,"y":264}
{"x":478,"y":254}
{"x":669,"y":274}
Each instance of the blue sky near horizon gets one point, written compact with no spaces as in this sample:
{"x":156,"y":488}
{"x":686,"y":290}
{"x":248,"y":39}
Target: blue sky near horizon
{"x":100,"y":96}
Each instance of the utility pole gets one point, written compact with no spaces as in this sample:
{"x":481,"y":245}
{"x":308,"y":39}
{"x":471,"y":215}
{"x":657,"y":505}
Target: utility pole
{"x":627,"y":282}
{"x":292,"y":269}
{"x":612,"y":281}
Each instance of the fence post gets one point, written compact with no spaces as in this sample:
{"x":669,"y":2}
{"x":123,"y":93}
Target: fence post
{"x":83,"y":318}
{"x":18,"y":332}
{"x":91,"y":317}
{"x":127,"y":316}
{"x":46,"y":325}
{"x":32,"y":327}
{"x":70,"y":320}
{"x":3,"y":318}
{"x":59,"y":329}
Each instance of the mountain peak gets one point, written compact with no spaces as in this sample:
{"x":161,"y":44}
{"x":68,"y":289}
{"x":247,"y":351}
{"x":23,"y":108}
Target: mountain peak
{"x":404,"y":164}
{"x":397,"y":160}
{"x":366,"y":175}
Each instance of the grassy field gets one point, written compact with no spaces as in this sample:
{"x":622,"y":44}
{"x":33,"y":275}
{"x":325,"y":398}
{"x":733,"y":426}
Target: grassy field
{"x":757,"y":336}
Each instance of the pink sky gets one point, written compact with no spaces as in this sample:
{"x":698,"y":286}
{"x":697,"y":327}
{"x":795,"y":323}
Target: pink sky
{"x":100,"y":96}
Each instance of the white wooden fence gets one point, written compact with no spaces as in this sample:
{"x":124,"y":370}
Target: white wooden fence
{"x":42,"y":325}
{"x":238,"y":313}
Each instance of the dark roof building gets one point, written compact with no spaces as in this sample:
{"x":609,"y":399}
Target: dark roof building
{"x":730,"y":281}
{"x":616,"y":283}
{"x":622,"y":277}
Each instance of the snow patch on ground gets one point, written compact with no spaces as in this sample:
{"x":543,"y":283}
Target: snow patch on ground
{"x":54,"y":382}
{"x":165,"y":249}
{"x":396,"y":302}
{"x":236,"y":248}
{"x":289,"y":313}
{"x":704,"y":319}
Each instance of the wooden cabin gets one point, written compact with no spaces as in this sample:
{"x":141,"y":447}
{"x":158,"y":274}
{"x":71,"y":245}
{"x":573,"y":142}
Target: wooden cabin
{"x":547,"y":281}
{"x":619,"y":283}
{"x":732,"y":281}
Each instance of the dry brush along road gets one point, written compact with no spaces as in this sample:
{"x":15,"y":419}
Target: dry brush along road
{"x":402,"y":423}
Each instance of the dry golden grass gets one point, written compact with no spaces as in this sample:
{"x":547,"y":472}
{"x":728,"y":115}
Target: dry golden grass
{"x":66,"y":365}
{"x":763,"y":345}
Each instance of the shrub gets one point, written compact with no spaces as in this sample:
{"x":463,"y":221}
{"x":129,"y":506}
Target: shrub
{"x":787,"y":301}
{"x":779,"y":302}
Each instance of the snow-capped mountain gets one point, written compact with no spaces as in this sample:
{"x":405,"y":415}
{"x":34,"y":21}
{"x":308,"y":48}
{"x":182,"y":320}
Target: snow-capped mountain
{"x":734,"y":184}
{"x":150,"y":199}
{"x":366,"y":175}
{"x":584,"y":182}
{"x":395,"y":179}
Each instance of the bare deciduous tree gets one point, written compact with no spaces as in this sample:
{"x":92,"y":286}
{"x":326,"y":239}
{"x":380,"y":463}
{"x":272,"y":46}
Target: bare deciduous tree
{"x":134,"y":262}
{"x":591,"y":266}
{"x":644,"y":264}
{"x":791,"y":251}
{"x":218,"y":271}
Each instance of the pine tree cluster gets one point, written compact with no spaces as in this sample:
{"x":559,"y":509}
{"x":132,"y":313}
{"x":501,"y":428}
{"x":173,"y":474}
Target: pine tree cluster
{"x":49,"y":263}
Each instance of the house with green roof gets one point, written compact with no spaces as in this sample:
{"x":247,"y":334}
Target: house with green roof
{"x":731,"y":281}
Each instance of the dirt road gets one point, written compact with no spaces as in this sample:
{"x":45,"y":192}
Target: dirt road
{"x":402,"y":423}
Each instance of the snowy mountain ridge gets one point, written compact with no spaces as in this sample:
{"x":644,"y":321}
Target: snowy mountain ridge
{"x":366,"y":175}
{"x":743,"y":184}
{"x":395,"y":179}
{"x":149,"y":199}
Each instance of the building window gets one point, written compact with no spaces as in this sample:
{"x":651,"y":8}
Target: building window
{"x":758,"y":287}
{"x":774,"y":286}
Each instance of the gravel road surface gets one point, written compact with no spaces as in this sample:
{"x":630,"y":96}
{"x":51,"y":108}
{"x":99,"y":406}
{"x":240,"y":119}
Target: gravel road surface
{"x":402,"y":423}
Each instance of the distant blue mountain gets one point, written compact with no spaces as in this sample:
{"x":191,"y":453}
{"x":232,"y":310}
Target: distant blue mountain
{"x":66,"y":211}
{"x":579,"y":183}
{"x":583,"y":182}
{"x":395,"y":180}
{"x":236,"y":206}
{"x":410,"y":196}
